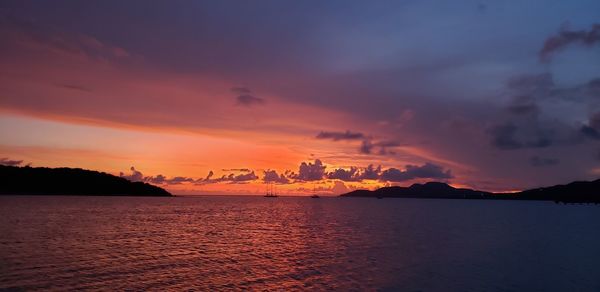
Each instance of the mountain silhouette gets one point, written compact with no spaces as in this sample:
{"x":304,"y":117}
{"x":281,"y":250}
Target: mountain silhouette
{"x":575,"y":192}
{"x":433,"y":190}
{"x":70,"y":181}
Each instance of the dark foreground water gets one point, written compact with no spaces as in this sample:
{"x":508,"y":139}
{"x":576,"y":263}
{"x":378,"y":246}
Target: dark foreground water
{"x":221,"y":243}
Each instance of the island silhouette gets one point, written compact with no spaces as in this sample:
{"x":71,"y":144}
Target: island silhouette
{"x":575,"y":192}
{"x":15,"y":180}
{"x":27,"y":180}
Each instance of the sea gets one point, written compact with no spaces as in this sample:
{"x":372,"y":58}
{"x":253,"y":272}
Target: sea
{"x":221,"y":243}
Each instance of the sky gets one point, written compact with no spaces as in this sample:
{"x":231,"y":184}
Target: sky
{"x":226,"y":97}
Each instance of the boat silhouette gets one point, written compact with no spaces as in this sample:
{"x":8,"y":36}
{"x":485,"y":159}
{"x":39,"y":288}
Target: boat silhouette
{"x":270,"y":193}
{"x":314,"y":195}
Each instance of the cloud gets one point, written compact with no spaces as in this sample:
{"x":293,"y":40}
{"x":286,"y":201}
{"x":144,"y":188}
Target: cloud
{"x":541,"y":161}
{"x":138,"y":176}
{"x":135,"y":175}
{"x":338,"y":136}
{"x":179,"y":179}
{"x":245,"y":97}
{"x":592,"y":129}
{"x":246,"y":176}
{"x":411,"y":172}
{"x":505,"y":137}
{"x":367,"y":146}
{"x":355,"y":174}
{"x":237,"y":169}
{"x":271,"y":176}
{"x":524,"y":108}
{"x":10,"y":162}
{"x":310,"y":171}
{"x":567,"y":37}
{"x":339,"y":188}
{"x":227,"y":178}
{"x":526,"y":90}
{"x":159,"y":179}
{"x":370,"y":172}
{"x":593,"y":88}
{"x":384,"y":147}
{"x":249,"y":100}
{"x":344,"y":174}
{"x":30,"y":34}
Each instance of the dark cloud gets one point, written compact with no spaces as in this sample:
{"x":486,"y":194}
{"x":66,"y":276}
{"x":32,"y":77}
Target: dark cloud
{"x":507,"y":137}
{"x":428,"y":170}
{"x":370,"y":172}
{"x":10,"y":162}
{"x":590,"y":132}
{"x":344,"y":174}
{"x":271,"y":176}
{"x":526,"y":90}
{"x":384,"y":147}
{"x":541,"y":161}
{"x":246,"y":98}
{"x":367,"y":146}
{"x":228,"y":178}
{"x":356,"y":173}
{"x":592,"y":129}
{"x":524,"y":108}
{"x":338,"y":136}
{"x":503,"y":137}
{"x":568,"y":37}
{"x":310,"y":171}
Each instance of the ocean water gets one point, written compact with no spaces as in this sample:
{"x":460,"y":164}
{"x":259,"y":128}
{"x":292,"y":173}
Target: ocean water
{"x":255,"y":243}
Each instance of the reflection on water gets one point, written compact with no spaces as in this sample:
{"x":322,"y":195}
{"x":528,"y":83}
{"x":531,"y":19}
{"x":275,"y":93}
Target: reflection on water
{"x":59,"y":243}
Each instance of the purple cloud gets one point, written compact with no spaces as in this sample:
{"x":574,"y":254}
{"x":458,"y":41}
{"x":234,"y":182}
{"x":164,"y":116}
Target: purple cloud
{"x":568,"y":37}
{"x":428,"y":170}
{"x":10,"y":162}
{"x":271,"y":176}
{"x":310,"y":171}
{"x":338,"y":136}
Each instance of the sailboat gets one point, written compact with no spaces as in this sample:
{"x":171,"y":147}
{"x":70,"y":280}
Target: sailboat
{"x":270,"y":193}
{"x":315,"y":196}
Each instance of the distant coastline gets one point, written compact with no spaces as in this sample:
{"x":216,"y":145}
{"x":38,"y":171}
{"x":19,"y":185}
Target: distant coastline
{"x":71,"y":182}
{"x":575,"y":192}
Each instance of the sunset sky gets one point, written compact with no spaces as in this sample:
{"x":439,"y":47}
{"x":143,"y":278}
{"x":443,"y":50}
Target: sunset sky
{"x":219,"y":97}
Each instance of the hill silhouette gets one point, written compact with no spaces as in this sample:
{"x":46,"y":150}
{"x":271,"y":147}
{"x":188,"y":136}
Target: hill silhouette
{"x":70,"y":181}
{"x":433,"y":190}
{"x":576,"y":192}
